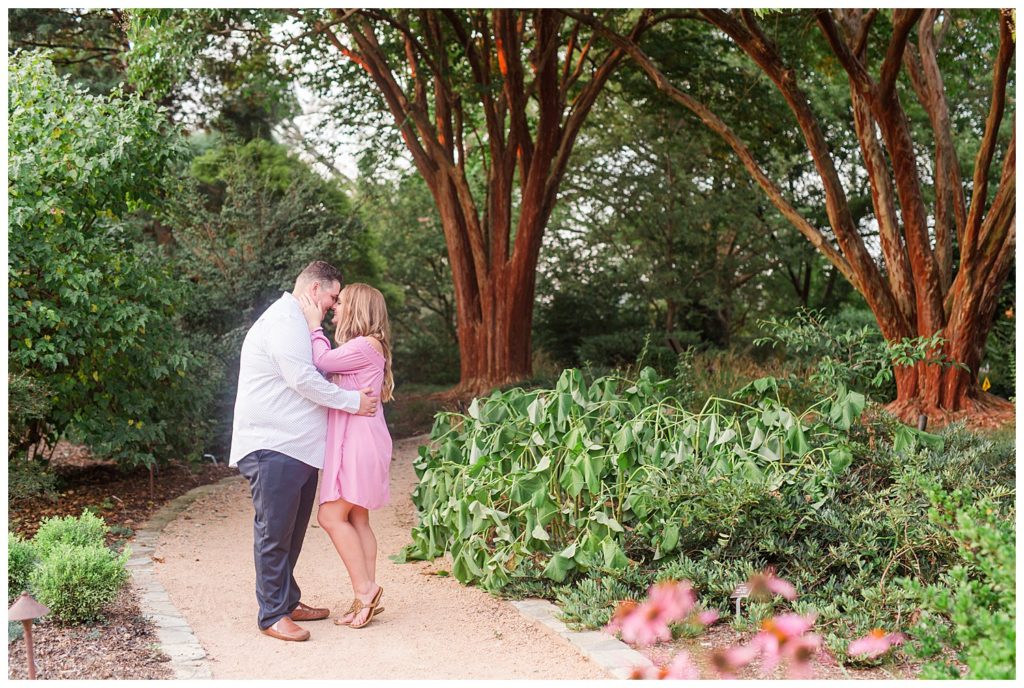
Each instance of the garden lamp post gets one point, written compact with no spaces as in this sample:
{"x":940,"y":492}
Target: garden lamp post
{"x":25,"y":609}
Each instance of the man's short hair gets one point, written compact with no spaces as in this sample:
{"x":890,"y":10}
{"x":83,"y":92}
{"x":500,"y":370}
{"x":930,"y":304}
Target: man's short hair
{"x":319,"y":271}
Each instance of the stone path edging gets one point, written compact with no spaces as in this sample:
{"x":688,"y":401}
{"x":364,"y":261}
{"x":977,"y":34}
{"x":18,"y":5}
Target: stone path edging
{"x":177,"y":641}
{"x":610,"y":653}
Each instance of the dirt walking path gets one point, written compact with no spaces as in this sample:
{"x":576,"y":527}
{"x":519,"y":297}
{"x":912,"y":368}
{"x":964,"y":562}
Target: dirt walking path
{"x":432,"y":627}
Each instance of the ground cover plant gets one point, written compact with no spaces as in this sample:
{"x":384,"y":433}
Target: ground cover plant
{"x":589,"y":494}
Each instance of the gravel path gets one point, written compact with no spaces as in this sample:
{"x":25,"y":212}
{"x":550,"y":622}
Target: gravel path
{"x":433,"y":627}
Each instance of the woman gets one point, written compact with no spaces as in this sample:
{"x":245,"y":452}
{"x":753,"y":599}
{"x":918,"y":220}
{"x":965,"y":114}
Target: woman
{"x":358,"y":460}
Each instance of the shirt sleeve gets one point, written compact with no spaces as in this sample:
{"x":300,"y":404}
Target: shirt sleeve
{"x":344,"y":359}
{"x":288,"y":350}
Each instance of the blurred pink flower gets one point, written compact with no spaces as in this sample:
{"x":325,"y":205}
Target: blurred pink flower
{"x":683,"y":667}
{"x":648,"y":623}
{"x":783,"y":637}
{"x":874,"y":644}
{"x":674,"y":598}
{"x":707,"y":617}
{"x":798,"y":653}
{"x":766,"y":584}
{"x":728,"y":661}
{"x":622,"y":610}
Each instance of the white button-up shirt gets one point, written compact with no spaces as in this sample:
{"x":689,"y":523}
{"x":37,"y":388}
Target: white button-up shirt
{"x":282,"y":399}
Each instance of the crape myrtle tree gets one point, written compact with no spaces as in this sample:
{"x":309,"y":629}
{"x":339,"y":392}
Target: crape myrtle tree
{"x":488,"y":104}
{"x":946,"y":217}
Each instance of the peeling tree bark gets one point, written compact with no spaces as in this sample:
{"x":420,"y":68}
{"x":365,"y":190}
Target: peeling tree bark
{"x":918,"y":294}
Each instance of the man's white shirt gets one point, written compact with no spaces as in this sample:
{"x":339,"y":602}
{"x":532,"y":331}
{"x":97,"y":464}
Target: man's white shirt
{"x":282,"y":399}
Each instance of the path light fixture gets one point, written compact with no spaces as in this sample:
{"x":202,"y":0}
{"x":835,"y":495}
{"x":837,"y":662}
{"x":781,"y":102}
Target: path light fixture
{"x":25,"y":609}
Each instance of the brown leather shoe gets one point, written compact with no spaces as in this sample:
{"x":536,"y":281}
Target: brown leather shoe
{"x":286,"y":629}
{"x":306,"y":613}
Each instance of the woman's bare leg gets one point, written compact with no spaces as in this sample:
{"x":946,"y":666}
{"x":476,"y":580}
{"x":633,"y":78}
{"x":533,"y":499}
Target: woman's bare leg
{"x":333,"y":517}
{"x":359,"y":517}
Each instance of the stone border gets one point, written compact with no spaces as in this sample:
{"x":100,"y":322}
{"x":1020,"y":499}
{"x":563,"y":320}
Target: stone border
{"x":177,"y":641}
{"x":612,"y":654}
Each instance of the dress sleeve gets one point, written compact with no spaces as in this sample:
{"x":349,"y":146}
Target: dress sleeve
{"x":286,"y":350}
{"x":345,"y":359}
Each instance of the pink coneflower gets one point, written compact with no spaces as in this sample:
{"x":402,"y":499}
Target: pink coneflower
{"x":674,"y":598}
{"x":707,"y":617}
{"x":764,"y":585}
{"x":648,"y":623}
{"x":874,"y":644}
{"x":682,"y":667}
{"x":622,"y":610}
{"x":728,"y":661}
{"x":781,"y":637}
{"x":798,"y":653}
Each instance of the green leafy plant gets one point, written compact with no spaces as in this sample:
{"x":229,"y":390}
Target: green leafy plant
{"x":87,"y":530}
{"x":92,"y":311}
{"x":31,"y":478}
{"x":858,"y":358}
{"x":572,"y":481}
{"x":584,"y":493}
{"x":21,"y":558}
{"x":77,"y":581}
{"x":973,"y":608}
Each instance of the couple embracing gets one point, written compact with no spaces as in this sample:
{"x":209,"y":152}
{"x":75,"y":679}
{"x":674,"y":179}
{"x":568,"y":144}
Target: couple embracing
{"x":290,"y":421}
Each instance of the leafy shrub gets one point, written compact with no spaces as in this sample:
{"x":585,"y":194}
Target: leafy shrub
{"x":30,"y":478}
{"x":76,"y":582}
{"x":28,"y":404}
{"x":858,"y":358}
{"x":92,"y":309}
{"x":87,"y":530}
{"x":21,"y":558}
{"x":972,"y":609}
{"x":558,"y":483}
{"x":622,"y":349}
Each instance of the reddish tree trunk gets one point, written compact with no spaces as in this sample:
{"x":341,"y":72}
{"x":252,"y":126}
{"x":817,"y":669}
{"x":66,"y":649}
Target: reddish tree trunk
{"x":530,"y":119}
{"x":916,"y":295}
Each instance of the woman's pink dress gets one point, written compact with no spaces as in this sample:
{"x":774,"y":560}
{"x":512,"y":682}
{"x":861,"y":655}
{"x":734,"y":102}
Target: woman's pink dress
{"x":358,"y":456}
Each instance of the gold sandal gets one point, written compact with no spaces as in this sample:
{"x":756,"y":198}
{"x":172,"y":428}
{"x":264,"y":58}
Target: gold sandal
{"x":353,"y":610}
{"x":372,"y":606}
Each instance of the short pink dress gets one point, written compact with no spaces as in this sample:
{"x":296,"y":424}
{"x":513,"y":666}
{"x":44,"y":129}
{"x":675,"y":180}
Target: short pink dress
{"x":358,"y":459}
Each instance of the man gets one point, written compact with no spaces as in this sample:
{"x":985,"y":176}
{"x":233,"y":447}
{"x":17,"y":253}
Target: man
{"x":278,"y":442}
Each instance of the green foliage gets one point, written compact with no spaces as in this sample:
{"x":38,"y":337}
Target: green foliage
{"x":855,"y":357}
{"x":87,"y":530}
{"x":76,"y":581}
{"x":91,"y":311}
{"x":87,"y":44}
{"x":28,"y":404}
{"x":973,"y":608}
{"x":21,"y":559}
{"x":591,"y":602}
{"x":575,"y":481}
{"x":397,"y":208}
{"x":30,"y":478}
{"x":619,"y":484}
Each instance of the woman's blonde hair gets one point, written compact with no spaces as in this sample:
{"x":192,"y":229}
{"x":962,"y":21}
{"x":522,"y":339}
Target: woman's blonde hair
{"x":361,"y":312}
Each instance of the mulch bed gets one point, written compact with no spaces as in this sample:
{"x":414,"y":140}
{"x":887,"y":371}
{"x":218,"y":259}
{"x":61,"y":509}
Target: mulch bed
{"x":124,"y":645}
{"x":121,"y":498}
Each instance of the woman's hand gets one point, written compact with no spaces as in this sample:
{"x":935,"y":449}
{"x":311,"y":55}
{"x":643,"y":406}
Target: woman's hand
{"x":314,"y":316}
